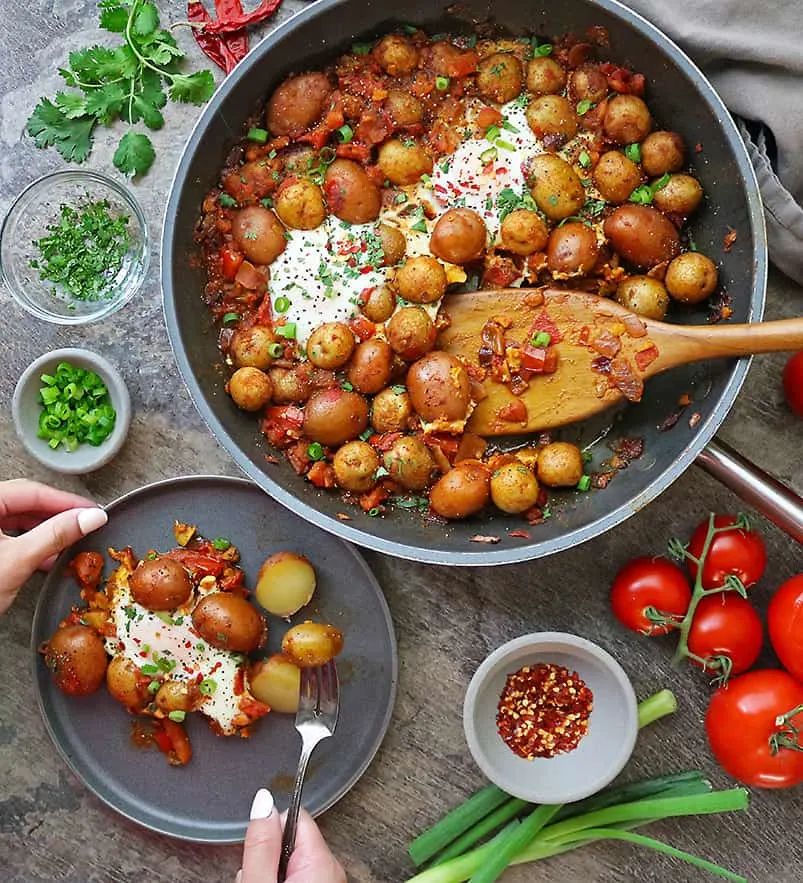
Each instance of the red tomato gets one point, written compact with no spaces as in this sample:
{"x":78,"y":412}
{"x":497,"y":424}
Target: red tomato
{"x":739,"y":552}
{"x":647,"y":586}
{"x":785,"y":620}
{"x":741,"y":723}
{"x":793,"y":383}
{"x":726,"y":625}
{"x":230,"y":261}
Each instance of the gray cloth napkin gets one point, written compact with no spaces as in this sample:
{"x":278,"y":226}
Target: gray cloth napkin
{"x":752,"y":53}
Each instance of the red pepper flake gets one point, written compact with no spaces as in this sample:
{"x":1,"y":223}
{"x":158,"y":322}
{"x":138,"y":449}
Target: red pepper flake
{"x":343,"y":517}
{"x":521,"y":534}
{"x":513,"y":412}
{"x":644,"y":358}
{"x":544,"y":710}
{"x":698,"y":147}
{"x":695,"y":418}
{"x":729,"y":240}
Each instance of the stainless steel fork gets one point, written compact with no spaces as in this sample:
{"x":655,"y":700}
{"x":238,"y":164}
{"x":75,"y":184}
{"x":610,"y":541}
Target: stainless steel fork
{"x":316,"y":719}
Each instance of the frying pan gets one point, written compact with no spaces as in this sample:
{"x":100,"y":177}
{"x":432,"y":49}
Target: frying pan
{"x":680,"y":98}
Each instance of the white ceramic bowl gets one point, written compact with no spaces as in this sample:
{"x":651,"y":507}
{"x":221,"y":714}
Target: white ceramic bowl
{"x":26,"y":408}
{"x":601,"y":754}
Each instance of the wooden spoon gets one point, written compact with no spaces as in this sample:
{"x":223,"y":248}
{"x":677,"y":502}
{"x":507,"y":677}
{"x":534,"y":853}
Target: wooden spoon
{"x":580,"y":387}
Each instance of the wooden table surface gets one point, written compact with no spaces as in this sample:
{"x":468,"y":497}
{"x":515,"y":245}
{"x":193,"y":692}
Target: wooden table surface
{"x":447,"y":620}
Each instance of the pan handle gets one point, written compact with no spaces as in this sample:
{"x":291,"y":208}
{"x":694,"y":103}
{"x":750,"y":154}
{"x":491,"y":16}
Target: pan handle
{"x":773,"y":500}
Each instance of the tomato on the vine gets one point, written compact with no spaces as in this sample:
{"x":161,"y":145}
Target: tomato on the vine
{"x":726,"y":625}
{"x":793,"y":383}
{"x":745,"y":734}
{"x":650,"y":595}
{"x":785,"y":621}
{"x":739,"y":552}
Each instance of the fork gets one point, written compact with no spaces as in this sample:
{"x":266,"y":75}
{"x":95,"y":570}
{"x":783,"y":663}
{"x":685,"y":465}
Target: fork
{"x":316,"y":719}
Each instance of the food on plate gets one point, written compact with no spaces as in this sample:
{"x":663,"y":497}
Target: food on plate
{"x":785,"y":621}
{"x":405,"y":169}
{"x":543,"y":711}
{"x":172,"y":633}
{"x":793,"y":383}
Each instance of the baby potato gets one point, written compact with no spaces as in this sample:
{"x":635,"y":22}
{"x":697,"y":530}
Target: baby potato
{"x":259,"y":234}
{"x":160,"y":584}
{"x":334,"y":416}
{"x":627,"y":119}
{"x":290,"y":387}
{"x":411,"y":333}
{"x":662,"y":152}
{"x":643,"y":295}
{"x":616,"y":177}
{"x":250,"y":388}
{"x":642,"y":235}
{"x":285,"y":583}
{"x":330,"y":345}
{"x":572,"y":249}
{"x":500,"y":77}
{"x":404,"y":161}
{"x":371,"y":366}
{"x":514,"y":488}
{"x":311,"y":644}
{"x":459,"y":236}
{"x":545,"y":76}
{"x":691,"y":277}
{"x":173,"y":696}
{"x":588,"y":83}
{"x":228,"y":622}
{"x":77,"y":660}
{"x":560,"y":464}
{"x":254,"y":180}
{"x":350,"y":194}
{"x":681,"y":194}
{"x":250,"y":347}
{"x":396,"y":55}
{"x":462,"y":491}
{"x":394,"y":245}
{"x":299,"y":204}
{"x":556,"y":187}
{"x":277,"y":682}
{"x":448,"y":60}
{"x":404,"y":109}
{"x":410,"y":463}
{"x":127,"y":684}
{"x":524,"y":232}
{"x":379,"y":304}
{"x":551,"y":117}
{"x":297,"y":103}
{"x":439,"y":387}
{"x":391,"y":410}
{"x":355,"y":465}
{"x":421,"y":280}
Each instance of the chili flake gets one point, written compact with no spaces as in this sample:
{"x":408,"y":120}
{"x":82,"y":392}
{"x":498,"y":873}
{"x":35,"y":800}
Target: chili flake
{"x":543,"y":711}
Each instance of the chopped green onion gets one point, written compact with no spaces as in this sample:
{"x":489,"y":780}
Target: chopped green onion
{"x":221,"y":544}
{"x":281,"y":304}
{"x":641,"y":195}
{"x":381,"y":472}
{"x":177,"y":716}
{"x":166,"y":665}
{"x":542,"y":339}
{"x":315,"y":451}
{"x":506,"y":124}
{"x":275,"y":350}
{"x":258,"y":135}
{"x":541,"y":51}
{"x":420,"y":225}
{"x":505,"y":145}
{"x":361,"y":48}
{"x":149,"y":669}
{"x":266,"y":202}
{"x":227,"y":201}
{"x":166,"y":618}
{"x":207,"y":687}
{"x":587,"y":456}
{"x":584,"y":106}
{"x":584,"y":484}
{"x":492,"y":133}
{"x":489,"y":155}
{"x":287,"y":331}
{"x":584,"y":159}
{"x":347,"y":385}
{"x":76,"y":408}
{"x":374,"y":512}
{"x":153,"y":687}
{"x":398,"y":389}
{"x":633,"y":152}
{"x":410,"y":29}
{"x":442,"y":83}
{"x":366,"y":434}
{"x":230,"y":318}
{"x":345,"y":133}
{"x":660,"y":183}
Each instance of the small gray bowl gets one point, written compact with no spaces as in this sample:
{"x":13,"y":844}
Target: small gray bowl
{"x":601,"y":754}
{"x":26,"y":408}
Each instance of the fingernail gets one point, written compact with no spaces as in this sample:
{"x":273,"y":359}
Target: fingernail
{"x":91,"y":519}
{"x":239,"y":877}
{"x":262,"y":807}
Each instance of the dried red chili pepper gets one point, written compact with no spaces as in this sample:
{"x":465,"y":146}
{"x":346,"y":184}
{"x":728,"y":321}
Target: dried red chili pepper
{"x":223,"y":51}
{"x":238,"y":22}
{"x":237,"y":43}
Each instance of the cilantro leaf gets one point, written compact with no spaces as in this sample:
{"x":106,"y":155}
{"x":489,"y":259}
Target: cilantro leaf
{"x":49,"y":127}
{"x":160,"y":47}
{"x":94,"y":65}
{"x":106,"y":102}
{"x":113,"y":18}
{"x":192,"y":88}
{"x":146,"y":20}
{"x":134,"y":154}
{"x":145,"y":102}
{"x":71,"y":104}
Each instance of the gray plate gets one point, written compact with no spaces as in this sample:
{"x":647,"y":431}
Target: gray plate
{"x":208,"y":800}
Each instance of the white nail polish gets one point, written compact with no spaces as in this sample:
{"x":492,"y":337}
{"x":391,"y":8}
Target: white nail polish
{"x":262,"y":807}
{"x":91,"y":519}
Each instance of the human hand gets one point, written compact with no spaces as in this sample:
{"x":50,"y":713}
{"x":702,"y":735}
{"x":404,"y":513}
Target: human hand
{"x":52,"y":520}
{"x":311,"y":861}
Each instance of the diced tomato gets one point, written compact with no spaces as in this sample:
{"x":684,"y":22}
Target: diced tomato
{"x":172,"y":739}
{"x":253,"y":708}
{"x":373,"y":499}
{"x":646,"y":357}
{"x":500,"y":272}
{"x":317,"y":137}
{"x":539,"y":360}
{"x":230,"y":261}
{"x":513,"y":412}
{"x":488,"y":116}
{"x":233,"y":580}
{"x":321,"y":474}
{"x":358,"y":152}
{"x":622,"y":80}
{"x":463,"y":64}
{"x":385,"y":441}
{"x":362,"y":327}
{"x":264,"y":315}
{"x":200,"y":565}
{"x":372,"y":128}
{"x":298,"y":457}
{"x":334,"y":119}
{"x":249,"y":277}
{"x":282,"y":424}
{"x":87,"y":568}
{"x":449,"y":444}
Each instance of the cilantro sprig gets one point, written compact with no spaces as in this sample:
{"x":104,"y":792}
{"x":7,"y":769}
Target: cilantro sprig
{"x":131,"y":82}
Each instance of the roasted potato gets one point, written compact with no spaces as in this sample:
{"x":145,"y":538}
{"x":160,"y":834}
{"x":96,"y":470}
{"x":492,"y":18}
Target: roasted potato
{"x":297,"y":103}
{"x":403,"y":161}
{"x":587,"y":83}
{"x":355,"y":465}
{"x":251,"y":347}
{"x":227,"y":621}
{"x":174,"y":696}
{"x":681,"y":195}
{"x":421,"y":280}
{"x":404,"y":109}
{"x":691,"y":277}
{"x":572,"y":249}
{"x":560,"y":464}
{"x":411,"y":333}
{"x":290,"y":386}
{"x":277,"y":682}
{"x":627,"y":119}
{"x":350,"y":194}
{"x":552,"y":119}
{"x":642,"y":235}
{"x":500,"y":77}
{"x":259,"y":234}
{"x":410,"y":463}
{"x":448,"y":60}
{"x":616,"y":177}
{"x":330,"y":345}
{"x":286,"y":582}
{"x":462,"y":491}
{"x":311,"y":644}
{"x":250,"y":388}
{"x":643,"y":295}
{"x":439,"y":387}
{"x":334,"y":416}
{"x":77,"y":659}
{"x":160,"y":584}
{"x":299,"y":204}
{"x":254,"y":180}
{"x":394,"y":245}
{"x":662,"y":152}
{"x":514,"y":488}
{"x":396,"y":55}
{"x":459,"y":236}
{"x":523,"y":232}
{"x":556,"y":187}
{"x":391,"y":409}
{"x":378,"y":305}
{"x":371,"y":366}
{"x":545,"y":76}
{"x":127,"y":684}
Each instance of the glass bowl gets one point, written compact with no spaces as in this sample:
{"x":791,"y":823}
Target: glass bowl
{"x":39,"y":206}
